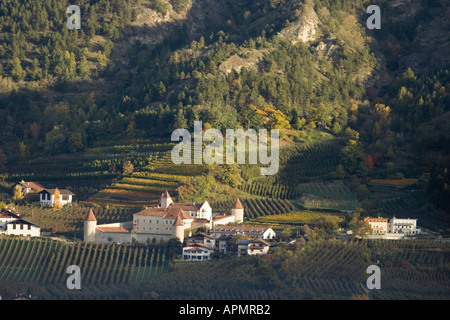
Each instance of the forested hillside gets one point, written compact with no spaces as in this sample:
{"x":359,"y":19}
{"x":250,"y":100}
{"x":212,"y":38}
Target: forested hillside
{"x":138,"y":69}
{"x":363,"y":114}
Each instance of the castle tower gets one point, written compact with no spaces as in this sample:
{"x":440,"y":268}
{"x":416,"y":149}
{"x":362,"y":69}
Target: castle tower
{"x":166,"y":200}
{"x":90,"y":225}
{"x":179,"y":228}
{"x":238,"y":211}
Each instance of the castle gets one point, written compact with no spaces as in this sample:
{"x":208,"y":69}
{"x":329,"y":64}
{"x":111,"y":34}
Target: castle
{"x":163,"y":222}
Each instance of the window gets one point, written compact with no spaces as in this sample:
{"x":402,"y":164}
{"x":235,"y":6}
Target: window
{"x":65,"y":197}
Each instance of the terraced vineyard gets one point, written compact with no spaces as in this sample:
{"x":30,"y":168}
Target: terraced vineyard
{"x":68,"y":221}
{"x":304,"y":216}
{"x":319,"y":270}
{"x":255,"y":207}
{"x":143,"y":188}
{"x":45,"y":261}
{"x":333,"y":195}
{"x":297,"y":164}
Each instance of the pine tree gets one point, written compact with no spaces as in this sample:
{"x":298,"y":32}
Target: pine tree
{"x":83,"y":68}
{"x":17,"y":71}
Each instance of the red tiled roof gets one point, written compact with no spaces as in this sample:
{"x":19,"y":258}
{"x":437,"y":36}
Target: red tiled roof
{"x":152,"y":211}
{"x":32,"y":185}
{"x":238,"y":204}
{"x":165,"y":195}
{"x":170,"y":213}
{"x":113,"y":229}
{"x":9,"y":213}
{"x":241,"y":227}
{"x":178,"y":222}
{"x":177,"y":212}
{"x":222,"y":216}
{"x":90,"y":216}
{"x":187,"y":206}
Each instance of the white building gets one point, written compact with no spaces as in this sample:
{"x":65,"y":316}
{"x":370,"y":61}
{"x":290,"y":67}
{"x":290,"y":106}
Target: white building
{"x":404,"y":226}
{"x":12,"y":224}
{"x":378,"y":225}
{"x":197,"y":252}
{"x":236,"y":216}
{"x":166,"y":221}
{"x":252,"y":247}
{"x":202,"y":238}
{"x":47,"y":197}
{"x":255,"y":232}
{"x":29,"y":187}
{"x":393,"y":228}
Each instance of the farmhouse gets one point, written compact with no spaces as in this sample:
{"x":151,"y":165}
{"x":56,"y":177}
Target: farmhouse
{"x":163,"y":222}
{"x":12,"y":224}
{"x":29,"y":187}
{"x":47,"y":196}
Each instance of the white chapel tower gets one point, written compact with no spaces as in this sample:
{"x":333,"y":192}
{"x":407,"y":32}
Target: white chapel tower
{"x":90,"y":225}
{"x":166,"y":200}
{"x":238,"y":211}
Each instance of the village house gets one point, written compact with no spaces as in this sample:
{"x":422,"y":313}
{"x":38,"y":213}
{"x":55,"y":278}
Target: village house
{"x":29,"y":187}
{"x":47,"y":197}
{"x":12,"y":224}
{"x":256,"y":232}
{"x":252,"y":247}
{"x":197,"y":252}
{"x":202,"y":238}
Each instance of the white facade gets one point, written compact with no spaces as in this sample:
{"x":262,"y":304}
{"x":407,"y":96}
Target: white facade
{"x":23,"y":228}
{"x":12,"y":224}
{"x":222,"y":220}
{"x":252,"y":247}
{"x":47,"y":198}
{"x":256,"y":232}
{"x":393,"y":228}
{"x":405,"y":226}
{"x":197,"y":252}
{"x":166,"y":221}
{"x":378,"y":225}
{"x":28,"y":187}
